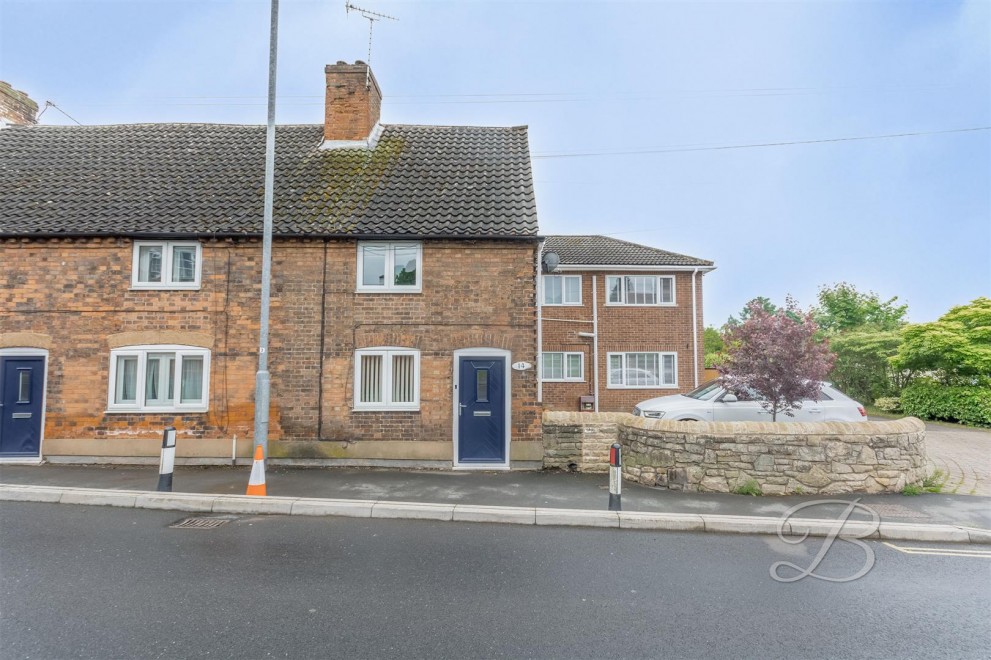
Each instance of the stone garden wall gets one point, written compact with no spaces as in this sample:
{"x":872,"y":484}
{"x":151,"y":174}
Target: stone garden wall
{"x":783,"y":457}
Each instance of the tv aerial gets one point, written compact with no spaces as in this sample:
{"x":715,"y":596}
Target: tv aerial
{"x":372,"y":16}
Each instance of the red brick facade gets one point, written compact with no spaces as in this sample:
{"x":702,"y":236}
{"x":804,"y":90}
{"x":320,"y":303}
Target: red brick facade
{"x":78,"y":292}
{"x":622,"y":329}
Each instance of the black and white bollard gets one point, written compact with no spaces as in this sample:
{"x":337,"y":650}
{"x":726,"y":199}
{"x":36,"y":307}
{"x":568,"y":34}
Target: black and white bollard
{"x":615,"y":477}
{"x":168,"y":461}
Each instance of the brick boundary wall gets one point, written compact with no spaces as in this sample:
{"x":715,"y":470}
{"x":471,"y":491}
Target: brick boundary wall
{"x":783,"y":458}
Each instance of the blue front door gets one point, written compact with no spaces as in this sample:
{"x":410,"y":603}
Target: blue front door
{"x":22,"y":393}
{"x":482,"y":410}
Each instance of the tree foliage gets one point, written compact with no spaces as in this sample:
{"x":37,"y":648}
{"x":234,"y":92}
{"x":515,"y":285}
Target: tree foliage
{"x":862,"y":368}
{"x":843,"y":308}
{"x":712,"y":340}
{"x":776,"y":355}
{"x":956,"y":349}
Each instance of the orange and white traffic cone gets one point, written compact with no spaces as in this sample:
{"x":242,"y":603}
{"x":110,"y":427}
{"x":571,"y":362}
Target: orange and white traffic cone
{"x":256,"y":482}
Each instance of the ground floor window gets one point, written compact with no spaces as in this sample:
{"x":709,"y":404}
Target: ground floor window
{"x":387,"y":379}
{"x":159,"y":379}
{"x":562,"y":367}
{"x":643,"y":370}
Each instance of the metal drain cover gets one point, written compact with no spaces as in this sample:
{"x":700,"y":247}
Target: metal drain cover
{"x":199,"y":523}
{"x":897,"y":511}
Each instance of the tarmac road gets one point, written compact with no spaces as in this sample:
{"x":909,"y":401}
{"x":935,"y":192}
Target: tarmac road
{"x":99,"y":582}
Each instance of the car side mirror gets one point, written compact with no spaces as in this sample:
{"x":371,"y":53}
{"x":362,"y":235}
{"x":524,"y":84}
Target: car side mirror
{"x":729,"y":398}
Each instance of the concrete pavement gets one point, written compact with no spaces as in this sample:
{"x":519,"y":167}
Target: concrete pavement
{"x":964,"y":455}
{"x":535,"y":498}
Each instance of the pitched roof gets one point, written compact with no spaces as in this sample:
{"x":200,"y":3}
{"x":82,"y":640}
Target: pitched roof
{"x":604,"y":251}
{"x":208,"y":179}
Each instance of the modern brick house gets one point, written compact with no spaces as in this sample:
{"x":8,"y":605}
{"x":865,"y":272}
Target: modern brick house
{"x":404,"y":286}
{"x":620,"y":323}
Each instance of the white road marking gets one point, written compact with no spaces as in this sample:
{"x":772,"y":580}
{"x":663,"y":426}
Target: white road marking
{"x":941,"y":552}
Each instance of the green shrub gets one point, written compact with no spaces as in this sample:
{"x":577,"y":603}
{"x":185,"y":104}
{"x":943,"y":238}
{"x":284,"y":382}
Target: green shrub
{"x":749,"y":487}
{"x":956,"y":403}
{"x":888,"y":404}
{"x":912,"y":489}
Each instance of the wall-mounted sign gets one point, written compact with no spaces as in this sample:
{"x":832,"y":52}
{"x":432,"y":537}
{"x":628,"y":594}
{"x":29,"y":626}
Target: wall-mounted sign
{"x":522,"y":366}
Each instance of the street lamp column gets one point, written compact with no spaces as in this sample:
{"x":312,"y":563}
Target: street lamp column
{"x":262,"y":380}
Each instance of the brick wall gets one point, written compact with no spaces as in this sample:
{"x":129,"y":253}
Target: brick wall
{"x":622,"y":329}
{"x":78,"y":293}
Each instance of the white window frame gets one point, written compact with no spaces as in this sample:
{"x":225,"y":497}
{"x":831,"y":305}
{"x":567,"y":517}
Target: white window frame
{"x":167,"y":248}
{"x":660,"y":362}
{"x":622,"y":291}
{"x":387,"y":353}
{"x":141,"y":353}
{"x":564,"y":358}
{"x":564,"y":289}
{"x":390,"y":268}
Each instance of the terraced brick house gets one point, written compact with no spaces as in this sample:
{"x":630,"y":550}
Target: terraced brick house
{"x":404,"y":286}
{"x":619,"y":323}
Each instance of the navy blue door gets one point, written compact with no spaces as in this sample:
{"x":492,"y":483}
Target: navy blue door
{"x":22,"y":391}
{"x":482,"y":410}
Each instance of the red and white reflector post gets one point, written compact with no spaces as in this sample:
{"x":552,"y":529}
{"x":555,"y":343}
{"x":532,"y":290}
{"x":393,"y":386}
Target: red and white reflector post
{"x":615,"y":477}
{"x":168,"y":461}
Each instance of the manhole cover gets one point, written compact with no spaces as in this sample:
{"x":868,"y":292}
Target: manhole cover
{"x":896,"y":511}
{"x":199,"y":523}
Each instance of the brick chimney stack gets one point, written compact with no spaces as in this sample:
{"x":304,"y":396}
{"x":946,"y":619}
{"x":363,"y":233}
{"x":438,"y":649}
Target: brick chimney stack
{"x":352,"y":108}
{"x":16,"y":107}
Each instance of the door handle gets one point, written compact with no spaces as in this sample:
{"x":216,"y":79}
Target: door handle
{"x":461,"y":408}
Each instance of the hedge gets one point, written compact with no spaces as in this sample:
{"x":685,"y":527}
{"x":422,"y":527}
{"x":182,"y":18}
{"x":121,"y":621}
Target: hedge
{"x":931,"y":400}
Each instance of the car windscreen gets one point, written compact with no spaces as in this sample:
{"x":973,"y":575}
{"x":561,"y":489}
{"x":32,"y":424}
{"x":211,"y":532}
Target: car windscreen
{"x":705,"y":392}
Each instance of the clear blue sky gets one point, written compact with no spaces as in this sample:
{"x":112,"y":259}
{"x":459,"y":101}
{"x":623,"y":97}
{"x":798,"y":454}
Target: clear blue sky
{"x":907,"y":216}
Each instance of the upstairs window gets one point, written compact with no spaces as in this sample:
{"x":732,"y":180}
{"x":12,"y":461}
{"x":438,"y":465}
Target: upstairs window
{"x":562,"y":289}
{"x":389,"y":267}
{"x":159,"y":379}
{"x":166,"y":265}
{"x":561,"y":367}
{"x":387,"y":379}
{"x":640,"y":290}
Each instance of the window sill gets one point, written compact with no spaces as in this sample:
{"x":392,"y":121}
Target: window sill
{"x":385,"y":290}
{"x":156,"y":411}
{"x":563,"y":380}
{"x":641,"y":387}
{"x":164,"y":287}
{"x":609,"y":304}
{"x":578,"y":304}
{"x":359,"y":409}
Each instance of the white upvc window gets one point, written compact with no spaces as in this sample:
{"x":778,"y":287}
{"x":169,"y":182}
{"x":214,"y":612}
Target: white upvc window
{"x":562,"y":289}
{"x":640,"y":290}
{"x":387,"y":378}
{"x":390,"y":267}
{"x":562,"y":367}
{"x":166,"y":265}
{"x":642,"y":370}
{"x":159,"y":379}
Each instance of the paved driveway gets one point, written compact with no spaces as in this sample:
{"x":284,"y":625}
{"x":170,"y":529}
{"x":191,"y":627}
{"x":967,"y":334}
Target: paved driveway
{"x":964,"y":454}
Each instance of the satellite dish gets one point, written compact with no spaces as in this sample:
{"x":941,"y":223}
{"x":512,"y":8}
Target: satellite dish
{"x":550,"y":260}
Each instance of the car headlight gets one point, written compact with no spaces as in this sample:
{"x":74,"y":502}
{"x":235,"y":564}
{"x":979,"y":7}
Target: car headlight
{"x":656,"y":414}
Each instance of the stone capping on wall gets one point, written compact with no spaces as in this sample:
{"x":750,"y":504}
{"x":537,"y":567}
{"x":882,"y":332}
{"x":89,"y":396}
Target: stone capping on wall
{"x":25,"y":340}
{"x":782,"y":457}
{"x":151,"y":337}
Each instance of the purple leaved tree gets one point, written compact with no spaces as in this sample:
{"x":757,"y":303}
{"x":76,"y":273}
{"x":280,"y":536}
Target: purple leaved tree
{"x":776,"y":356}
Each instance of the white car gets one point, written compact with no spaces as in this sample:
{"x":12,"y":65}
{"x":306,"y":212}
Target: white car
{"x":712,"y":403}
